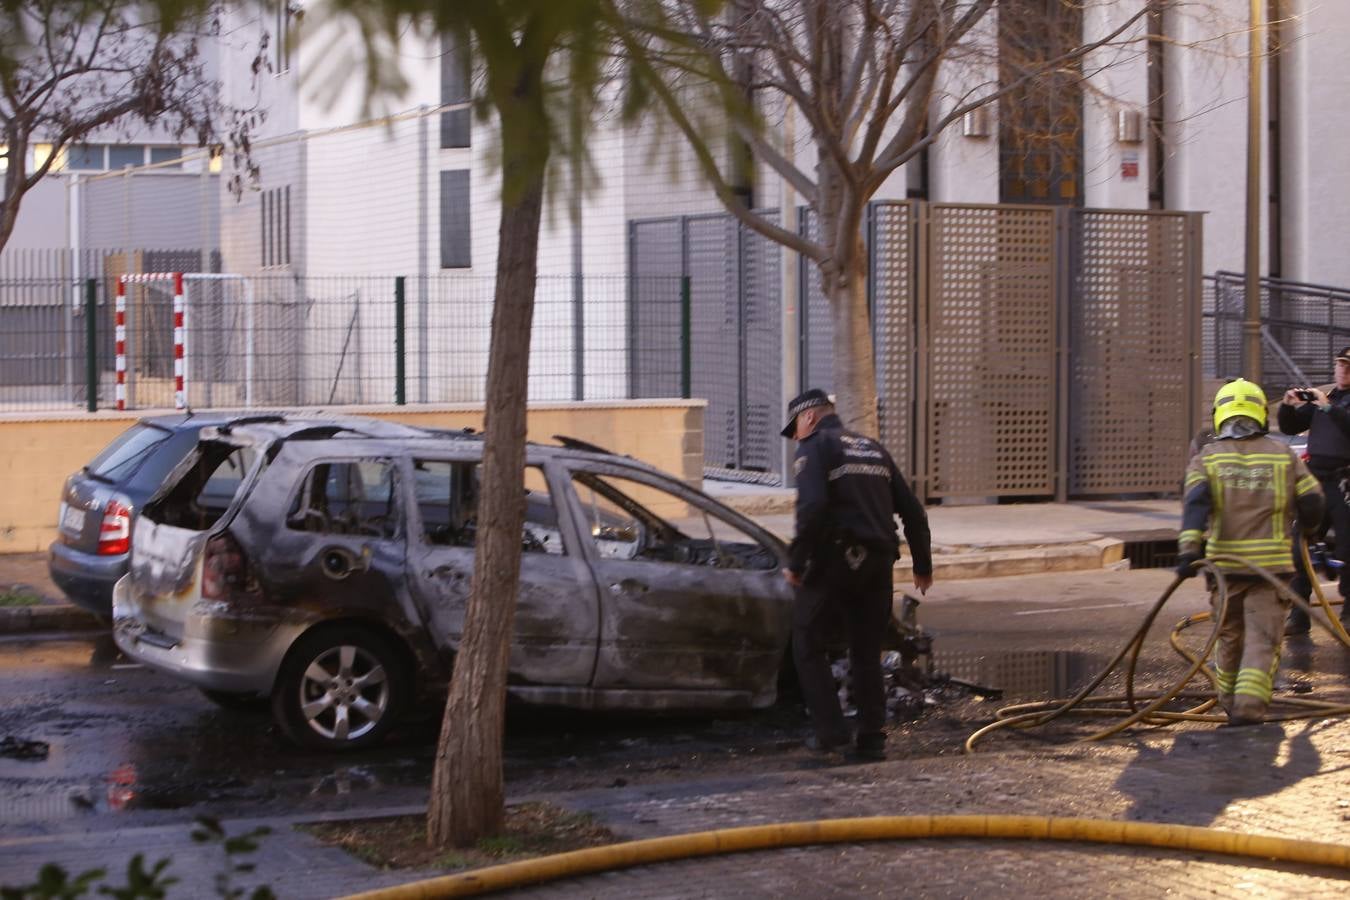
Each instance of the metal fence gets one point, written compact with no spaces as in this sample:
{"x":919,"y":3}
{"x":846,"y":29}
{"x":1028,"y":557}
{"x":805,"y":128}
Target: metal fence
{"x":732,"y":336}
{"x":1021,"y":351}
{"x":1303,"y":326}
{"x":320,"y":341}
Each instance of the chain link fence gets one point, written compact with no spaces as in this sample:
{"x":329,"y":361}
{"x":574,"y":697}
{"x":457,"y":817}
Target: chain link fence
{"x":269,"y":341}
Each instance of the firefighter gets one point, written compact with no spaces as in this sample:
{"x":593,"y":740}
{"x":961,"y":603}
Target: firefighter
{"x":848,"y":494}
{"x":1249,"y":490}
{"x":1326,"y":418}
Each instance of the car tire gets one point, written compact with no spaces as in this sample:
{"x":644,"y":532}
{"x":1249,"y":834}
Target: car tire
{"x":340,"y":688}
{"x":235,"y":700}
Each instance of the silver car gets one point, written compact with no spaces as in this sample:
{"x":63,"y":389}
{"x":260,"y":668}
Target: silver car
{"x":333,"y":581}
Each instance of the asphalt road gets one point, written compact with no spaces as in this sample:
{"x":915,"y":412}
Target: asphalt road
{"x":126,"y":744}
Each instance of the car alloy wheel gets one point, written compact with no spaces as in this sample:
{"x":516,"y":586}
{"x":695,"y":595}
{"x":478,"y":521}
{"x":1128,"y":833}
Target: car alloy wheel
{"x":339,"y":689}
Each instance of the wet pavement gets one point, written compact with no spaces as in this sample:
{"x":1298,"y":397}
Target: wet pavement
{"x":133,"y":756}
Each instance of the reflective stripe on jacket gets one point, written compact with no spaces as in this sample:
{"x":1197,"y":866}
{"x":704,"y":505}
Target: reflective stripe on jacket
{"x":1249,"y":493}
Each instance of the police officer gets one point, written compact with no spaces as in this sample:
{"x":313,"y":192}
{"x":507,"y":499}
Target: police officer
{"x":848,"y":494}
{"x":1326,"y":418}
{"x":1249,"y":491}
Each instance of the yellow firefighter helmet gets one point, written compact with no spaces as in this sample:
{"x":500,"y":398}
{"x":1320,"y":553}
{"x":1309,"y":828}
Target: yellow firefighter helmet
{"x":1239,"y":397}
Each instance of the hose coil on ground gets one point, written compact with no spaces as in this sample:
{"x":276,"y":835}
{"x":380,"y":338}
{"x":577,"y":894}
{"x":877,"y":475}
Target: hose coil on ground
{"x":1133,"y":708}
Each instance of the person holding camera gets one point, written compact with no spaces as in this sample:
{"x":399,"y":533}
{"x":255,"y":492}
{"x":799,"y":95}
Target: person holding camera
{"x":1326,"y":418}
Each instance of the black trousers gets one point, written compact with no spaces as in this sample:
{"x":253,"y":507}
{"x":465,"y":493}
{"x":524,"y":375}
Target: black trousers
{"x":1337,"y":518}
{"x":862,"y":598}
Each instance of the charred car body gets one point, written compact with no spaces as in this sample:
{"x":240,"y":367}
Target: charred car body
{"x":334,"y":580}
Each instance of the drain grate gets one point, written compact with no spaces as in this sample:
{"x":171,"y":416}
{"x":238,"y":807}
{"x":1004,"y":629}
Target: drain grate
{"x":1158,"y":554}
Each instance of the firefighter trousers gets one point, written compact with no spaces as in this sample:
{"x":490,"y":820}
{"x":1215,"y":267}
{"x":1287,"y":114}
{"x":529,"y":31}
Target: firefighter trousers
{"x":1248,"y":650}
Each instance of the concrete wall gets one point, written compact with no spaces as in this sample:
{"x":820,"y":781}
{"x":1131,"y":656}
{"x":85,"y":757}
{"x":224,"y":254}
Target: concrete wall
{"x":42,"y":450}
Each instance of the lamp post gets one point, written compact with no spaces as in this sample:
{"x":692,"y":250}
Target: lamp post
{"x":1251,"y":326}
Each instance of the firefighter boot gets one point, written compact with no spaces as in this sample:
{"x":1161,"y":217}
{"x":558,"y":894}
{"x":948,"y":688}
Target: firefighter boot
{"x":1297,"y":623}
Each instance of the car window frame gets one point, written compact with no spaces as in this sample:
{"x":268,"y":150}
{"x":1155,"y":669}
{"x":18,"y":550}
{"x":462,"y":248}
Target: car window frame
{"x":659,"y":481}
{"x":397,"y":496}
{"x":415,"y":528}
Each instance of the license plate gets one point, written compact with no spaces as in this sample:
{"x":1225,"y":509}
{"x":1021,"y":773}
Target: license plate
{"x":72,"y":519}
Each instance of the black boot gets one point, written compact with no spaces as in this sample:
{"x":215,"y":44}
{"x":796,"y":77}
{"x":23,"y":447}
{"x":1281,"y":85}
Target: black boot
{"x":871,"y":746}
{"x":1297,"y":623}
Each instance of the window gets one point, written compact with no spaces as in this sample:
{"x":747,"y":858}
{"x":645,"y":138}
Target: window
{"x":455,"y":249}
{"x":42,"y":152}
{"x":354,"y":498}
{"x":282,"y":37}
{"x":276,"y":227}
{"x":1041,"y":121}
{"x":205,"y":491}
{"x":620,"y":520}
{"x":167,"y":154}
{"x":455,"y":124}
{"x":447,"y":498}
{"x":122,"y":155}
{"x":85,"y":157}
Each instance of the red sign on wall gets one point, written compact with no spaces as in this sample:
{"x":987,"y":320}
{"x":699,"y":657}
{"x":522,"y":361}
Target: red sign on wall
{"x":1129,"y":166}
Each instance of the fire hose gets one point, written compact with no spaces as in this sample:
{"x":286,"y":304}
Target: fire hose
{"x":1131,"y":708}
{"x":1134,"y":708}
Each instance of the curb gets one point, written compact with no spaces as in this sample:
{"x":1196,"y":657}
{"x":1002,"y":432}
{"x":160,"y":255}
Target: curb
{"x":50,"y":617}
{"x":1098,"y":555}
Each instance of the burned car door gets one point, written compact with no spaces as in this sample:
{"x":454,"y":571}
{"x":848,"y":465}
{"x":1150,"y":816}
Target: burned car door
{"x":690,"y":599}
{"x":556,"y":623}
{"x":339,"y":546}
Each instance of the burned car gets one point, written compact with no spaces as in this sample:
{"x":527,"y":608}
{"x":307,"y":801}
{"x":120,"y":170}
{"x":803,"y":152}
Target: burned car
{"x":334,"y":580}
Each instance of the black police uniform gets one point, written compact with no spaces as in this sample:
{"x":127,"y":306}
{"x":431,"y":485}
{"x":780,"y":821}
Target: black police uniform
{"x":848,"y":493}
{"x":1329,"y":462}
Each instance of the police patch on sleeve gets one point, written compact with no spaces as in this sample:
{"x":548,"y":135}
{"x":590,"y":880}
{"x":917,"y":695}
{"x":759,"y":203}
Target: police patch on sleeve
{"x":798,"y":464}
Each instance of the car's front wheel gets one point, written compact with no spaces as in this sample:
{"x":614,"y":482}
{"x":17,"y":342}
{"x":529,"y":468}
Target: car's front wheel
{"x":339,"y":689}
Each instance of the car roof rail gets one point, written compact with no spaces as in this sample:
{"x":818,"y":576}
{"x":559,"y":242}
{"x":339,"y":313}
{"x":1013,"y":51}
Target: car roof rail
{"x":572,"y":443}
{"x":268,"y":418}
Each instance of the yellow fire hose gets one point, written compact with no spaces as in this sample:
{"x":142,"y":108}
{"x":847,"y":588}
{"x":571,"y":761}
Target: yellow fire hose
{"x":879,"y":828}
{"x":1034,"y":715}
{"x":1024,"y":715}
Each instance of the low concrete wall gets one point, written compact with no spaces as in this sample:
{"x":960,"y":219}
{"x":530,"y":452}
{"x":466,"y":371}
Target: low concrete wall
{"x":38,"y":451}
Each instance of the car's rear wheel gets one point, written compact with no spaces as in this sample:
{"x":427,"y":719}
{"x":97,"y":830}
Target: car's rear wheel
{"x":235,"y":700}
{"x":339,"y":689}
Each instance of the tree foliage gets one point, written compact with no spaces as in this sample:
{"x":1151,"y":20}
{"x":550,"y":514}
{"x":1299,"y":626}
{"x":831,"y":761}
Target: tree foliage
{"x":75,"y":69}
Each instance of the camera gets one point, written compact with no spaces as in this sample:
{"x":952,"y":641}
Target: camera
{"x":1305,"y":395}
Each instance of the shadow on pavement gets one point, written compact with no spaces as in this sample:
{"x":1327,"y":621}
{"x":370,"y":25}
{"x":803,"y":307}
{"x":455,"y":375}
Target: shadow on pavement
{"x":1196,"y":778}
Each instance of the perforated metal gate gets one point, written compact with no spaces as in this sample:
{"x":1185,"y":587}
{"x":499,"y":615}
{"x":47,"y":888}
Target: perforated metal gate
{"x":990,"y":351}
{"x":890,"y":242}
{"x":1021,"y":350}
{"x":1133,"y":332}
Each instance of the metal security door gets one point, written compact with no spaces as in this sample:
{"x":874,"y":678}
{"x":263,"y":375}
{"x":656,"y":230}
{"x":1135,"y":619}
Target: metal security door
{"x":989,"y":359}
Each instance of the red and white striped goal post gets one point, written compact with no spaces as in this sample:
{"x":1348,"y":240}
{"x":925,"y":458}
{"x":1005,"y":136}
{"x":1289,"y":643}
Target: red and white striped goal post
{"x":179,"y":335}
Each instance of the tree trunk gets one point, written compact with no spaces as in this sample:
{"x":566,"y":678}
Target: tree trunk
{"x":855,"y":380}
{"x":467,"y":799}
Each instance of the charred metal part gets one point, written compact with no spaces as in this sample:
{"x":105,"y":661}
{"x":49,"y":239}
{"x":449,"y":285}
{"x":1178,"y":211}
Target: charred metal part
{"x":907,"y":668}
{"x":18,"y":748}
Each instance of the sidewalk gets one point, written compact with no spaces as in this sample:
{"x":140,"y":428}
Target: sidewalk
{"x":981,"y":541}
{"x":992,"y":540}
{"x":1284,"y":781}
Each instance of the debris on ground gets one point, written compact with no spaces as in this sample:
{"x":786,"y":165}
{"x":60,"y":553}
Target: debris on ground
{"x":907,"y":672}
{"x":18,"y":748}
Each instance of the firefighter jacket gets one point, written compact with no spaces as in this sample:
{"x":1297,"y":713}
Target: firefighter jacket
{"x":1328,"y":432}
{"x":1249,"y":492}
{"x":849,"y":491}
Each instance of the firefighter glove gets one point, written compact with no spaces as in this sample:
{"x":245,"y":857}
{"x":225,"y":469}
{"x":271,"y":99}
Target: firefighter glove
{"x":1185,"y":569}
